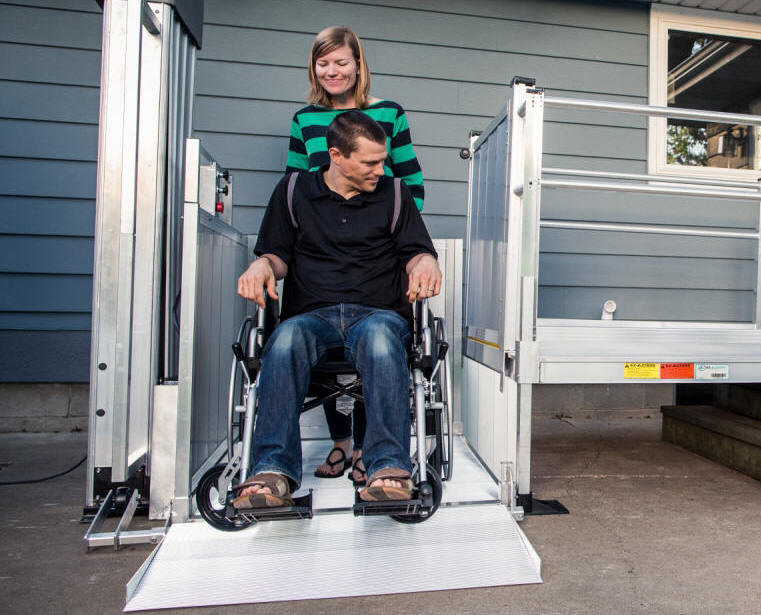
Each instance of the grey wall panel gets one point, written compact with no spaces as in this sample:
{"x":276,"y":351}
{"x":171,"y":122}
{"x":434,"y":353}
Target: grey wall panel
{"x":47,"y":26}
{"x":51,"y":178}
{"x":655,"y":304}
{"x":82,"y":6}
{"x":605,"y":14}
{"x":646,"y":272}
{"x":31,"y":139}
{"x":586,"y":205}
{"x":45,"y":293}
{"x":589,"y":163}
{"x":51,"y":254}
{"x":243,"y":116}
{"x":49,"y":76}
{"x":32,"y":63}
{"x":49,"y":102}
{"x":44,"y":356}
{"x":599,"y":141}
{"x":466,"y":64}
{"x":47,"y":216}
{"x":568,"y":241}
{"x":245,"y":151}
{"x":439,"y":27}
{"x":44,"y":321}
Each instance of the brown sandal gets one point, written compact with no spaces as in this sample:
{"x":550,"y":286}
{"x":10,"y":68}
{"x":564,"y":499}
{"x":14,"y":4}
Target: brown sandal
{"x":384,"y":493}
{"x":280,"y":492}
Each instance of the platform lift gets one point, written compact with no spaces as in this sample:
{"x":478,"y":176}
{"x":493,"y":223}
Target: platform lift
{"x":147,"y":73}
{"x":508,"y":349}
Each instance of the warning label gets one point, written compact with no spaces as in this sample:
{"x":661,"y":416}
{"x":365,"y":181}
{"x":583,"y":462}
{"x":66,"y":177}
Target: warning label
{"x":675,"y":371}
{"x":642,"y":370}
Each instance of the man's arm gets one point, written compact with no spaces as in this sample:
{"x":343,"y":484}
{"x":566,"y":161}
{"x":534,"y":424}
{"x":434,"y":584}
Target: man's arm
{"x":274,"y":248}
{"x":260,"y":275}
{"x":424,"y":277}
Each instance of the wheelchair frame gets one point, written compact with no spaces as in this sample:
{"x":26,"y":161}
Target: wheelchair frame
{"x":431,"y":422}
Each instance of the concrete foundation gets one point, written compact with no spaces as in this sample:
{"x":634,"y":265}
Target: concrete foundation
{"x":723,"y":436}
{"x":43,"y":407}
{"x":54,"y":407}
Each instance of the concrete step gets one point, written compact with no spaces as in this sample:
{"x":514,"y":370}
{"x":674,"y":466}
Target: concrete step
{"x":720,"y":435}
{"x":744,"y":399}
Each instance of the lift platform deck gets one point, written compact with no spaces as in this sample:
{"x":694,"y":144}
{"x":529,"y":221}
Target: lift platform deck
{"x":471,"y":541}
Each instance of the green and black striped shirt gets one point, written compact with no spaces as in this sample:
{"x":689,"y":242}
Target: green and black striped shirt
{"x":308,"y":148}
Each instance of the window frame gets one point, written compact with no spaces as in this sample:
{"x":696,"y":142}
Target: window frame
{"x":663,"y":19}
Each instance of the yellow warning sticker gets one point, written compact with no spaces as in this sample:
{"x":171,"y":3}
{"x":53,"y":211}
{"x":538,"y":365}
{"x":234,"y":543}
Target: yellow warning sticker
{"x":642,"y":370}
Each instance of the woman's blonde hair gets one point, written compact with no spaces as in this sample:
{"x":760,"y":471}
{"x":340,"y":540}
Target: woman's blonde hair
{"x":329,"y":40}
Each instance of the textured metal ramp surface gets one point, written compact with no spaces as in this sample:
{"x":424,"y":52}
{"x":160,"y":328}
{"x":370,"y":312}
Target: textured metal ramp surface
{"x":463,"y":545}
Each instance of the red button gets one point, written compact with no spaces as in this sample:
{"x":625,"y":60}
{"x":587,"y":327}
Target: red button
{"x":220,"y":207}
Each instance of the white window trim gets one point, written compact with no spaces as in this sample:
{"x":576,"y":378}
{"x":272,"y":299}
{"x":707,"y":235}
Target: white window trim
{"x":663,"y":19}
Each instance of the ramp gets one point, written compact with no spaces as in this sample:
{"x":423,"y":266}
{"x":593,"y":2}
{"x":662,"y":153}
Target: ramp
{"x":472,"y":541}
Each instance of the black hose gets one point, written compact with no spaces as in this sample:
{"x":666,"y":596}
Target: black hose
{"x":40,"y":480}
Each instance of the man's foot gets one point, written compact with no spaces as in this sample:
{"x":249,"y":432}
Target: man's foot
{"x":358,"y":476}
{"x":265,"y":490}
{"x":337,"y":462}
{"x":387,"y":485}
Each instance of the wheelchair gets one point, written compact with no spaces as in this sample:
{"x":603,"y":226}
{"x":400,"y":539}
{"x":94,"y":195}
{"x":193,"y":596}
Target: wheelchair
{"x":430,"y":385}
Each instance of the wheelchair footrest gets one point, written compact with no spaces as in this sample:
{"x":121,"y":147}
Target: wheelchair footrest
{"x":301,"y":509}
{"x":390,"y":507}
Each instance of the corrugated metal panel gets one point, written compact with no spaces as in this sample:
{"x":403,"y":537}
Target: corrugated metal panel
{"x":49,"y":75}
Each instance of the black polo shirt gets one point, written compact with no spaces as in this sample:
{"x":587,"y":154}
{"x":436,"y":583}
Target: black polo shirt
{"x":342,"y":250}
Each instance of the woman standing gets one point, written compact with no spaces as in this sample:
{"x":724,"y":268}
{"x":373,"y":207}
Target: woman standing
{"x":340,"y":80}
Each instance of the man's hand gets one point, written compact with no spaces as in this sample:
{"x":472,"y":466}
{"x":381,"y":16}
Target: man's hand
{"x":424,"y":277}
{"x":255,"y":279}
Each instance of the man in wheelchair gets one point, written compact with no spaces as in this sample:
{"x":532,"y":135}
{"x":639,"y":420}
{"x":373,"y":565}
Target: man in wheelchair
{"x":355,"y":254}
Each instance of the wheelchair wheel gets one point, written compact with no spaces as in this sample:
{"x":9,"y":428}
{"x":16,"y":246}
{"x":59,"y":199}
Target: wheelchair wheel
{"x":437,"y":458}
{"x":442,"y":392}
{"x":207,"y":499}
{"x":436,"y":484}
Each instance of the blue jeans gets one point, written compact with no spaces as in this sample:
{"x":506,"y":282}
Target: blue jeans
{"x":375,"y":341}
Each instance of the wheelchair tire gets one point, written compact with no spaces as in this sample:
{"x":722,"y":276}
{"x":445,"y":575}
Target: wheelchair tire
{"x":437,"y":457}
{"x":437,"y":485}
{"x":208,"y":504}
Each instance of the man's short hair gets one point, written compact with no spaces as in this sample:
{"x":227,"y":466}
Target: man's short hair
{"x":347,"y":127}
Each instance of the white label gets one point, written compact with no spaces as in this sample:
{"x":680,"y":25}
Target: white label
{"x":344,"y":404}
{"x":711,"y":371}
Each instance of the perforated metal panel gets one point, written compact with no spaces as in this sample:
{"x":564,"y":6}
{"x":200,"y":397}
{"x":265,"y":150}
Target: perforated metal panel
{"x":461,"y":546}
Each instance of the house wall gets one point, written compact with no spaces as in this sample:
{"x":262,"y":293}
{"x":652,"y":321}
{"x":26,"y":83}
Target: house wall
{"x":447,"y":62}
{"x":49,"y":91}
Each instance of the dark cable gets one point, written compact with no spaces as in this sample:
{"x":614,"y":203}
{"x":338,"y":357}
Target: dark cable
{"x":40,"y":480}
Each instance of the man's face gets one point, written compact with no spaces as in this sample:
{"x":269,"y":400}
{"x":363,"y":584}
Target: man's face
{"x":363,"y":167}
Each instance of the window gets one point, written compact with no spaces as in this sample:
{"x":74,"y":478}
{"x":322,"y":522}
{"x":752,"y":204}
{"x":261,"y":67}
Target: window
{"x":705,"y":60}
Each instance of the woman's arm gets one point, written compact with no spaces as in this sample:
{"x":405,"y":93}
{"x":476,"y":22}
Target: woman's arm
{"x":298,"y":159}
{"x":404,"y":162}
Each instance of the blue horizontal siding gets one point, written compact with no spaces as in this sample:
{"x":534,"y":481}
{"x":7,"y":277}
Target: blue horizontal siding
{"x":49,"y":78}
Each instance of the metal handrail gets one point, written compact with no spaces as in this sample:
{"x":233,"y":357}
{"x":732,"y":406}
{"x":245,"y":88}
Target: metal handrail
{"x":653,"y":110}
{"x":648,"y":229}
{"x":651,"y":189}
{"x":677,"y":179}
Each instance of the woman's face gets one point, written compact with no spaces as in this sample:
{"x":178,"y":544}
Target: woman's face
{"x":337,"y":72}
